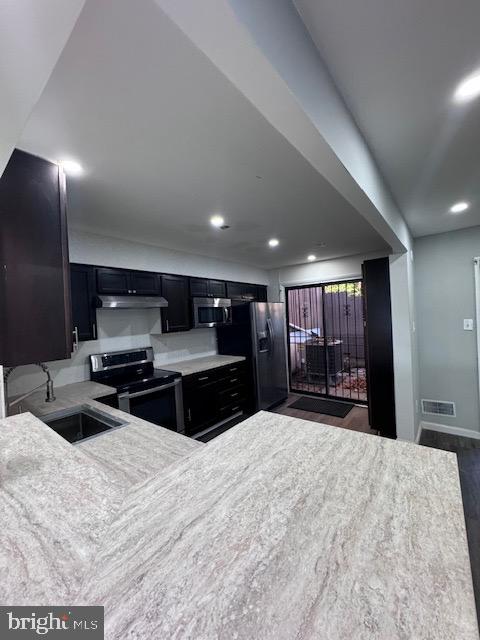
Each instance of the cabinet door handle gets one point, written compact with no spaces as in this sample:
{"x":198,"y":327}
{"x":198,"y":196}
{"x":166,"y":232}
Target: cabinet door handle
{"x":235,"y":409}
{"x":94,"y":331}
{"x":233,"y":369}
{"x":75,"y":339}
{"x":233,"y":395}
{"x":233,"y":379}
{"x":189,"y":415}
{"x":134,"y":291}
{"x":168,"y":326}
{"x":202,"y":379}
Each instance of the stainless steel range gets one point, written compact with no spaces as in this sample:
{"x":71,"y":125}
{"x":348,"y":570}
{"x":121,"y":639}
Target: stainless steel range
{"x":143,"y":391}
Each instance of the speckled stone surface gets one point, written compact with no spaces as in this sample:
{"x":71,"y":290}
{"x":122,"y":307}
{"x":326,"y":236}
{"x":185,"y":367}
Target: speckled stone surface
{"x":54,"y":507}
{"x":136,"y":451}
{"x":281,"y":529}
{"x":196,"y":365}
{"x":56,"y":499}
{"x":70,"y":395}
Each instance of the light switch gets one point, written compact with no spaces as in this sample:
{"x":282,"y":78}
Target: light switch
{"x":468,"y":324}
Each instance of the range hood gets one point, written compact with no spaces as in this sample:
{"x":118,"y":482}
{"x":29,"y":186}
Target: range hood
{"x":131,"y":302}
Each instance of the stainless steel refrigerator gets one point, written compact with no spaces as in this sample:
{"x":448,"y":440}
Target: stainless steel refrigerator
{"x":258,"y":333}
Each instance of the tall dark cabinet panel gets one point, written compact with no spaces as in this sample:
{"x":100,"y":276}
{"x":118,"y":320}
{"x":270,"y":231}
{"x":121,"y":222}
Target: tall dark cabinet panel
{"x":35,"y":322}
{"x":84,"y":316}
{"x":176,"y":317}
{"x":379,"y":346}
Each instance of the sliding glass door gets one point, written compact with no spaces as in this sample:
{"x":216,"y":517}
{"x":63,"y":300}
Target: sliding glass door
{"x":326,"y":340}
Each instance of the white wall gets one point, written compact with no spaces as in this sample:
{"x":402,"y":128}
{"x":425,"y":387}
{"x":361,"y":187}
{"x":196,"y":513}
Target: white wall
{"x":314,"y":272}
{"x":126,"y":328}
{"x":325,"y":270}
{"x":445,"y":295}
{"x":91,"y":248}
{"x":404,"y":345}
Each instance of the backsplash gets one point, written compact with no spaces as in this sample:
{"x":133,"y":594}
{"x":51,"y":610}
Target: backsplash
{"x":170,"y":347}
{"x":117,"y":330}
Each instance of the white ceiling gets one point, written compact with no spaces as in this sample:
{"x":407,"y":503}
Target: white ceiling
{"x":397,"y":64}
{"x":166,"y":140}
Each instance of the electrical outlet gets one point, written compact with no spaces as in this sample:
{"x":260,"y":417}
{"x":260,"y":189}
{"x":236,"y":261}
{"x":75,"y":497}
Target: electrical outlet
{"x":468,"y":324}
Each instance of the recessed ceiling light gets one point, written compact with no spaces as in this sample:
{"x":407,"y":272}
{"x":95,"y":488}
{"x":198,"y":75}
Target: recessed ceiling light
{"x":217,"y":221}
{"x":311,"y":257}
{"x":468,"y":89}
{"x":273,"y":242}
{"x":459,"y":207}
{"x":71,"y":167}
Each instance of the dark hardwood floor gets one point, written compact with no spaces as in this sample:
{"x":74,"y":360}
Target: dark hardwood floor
{"x":468,"y":455}
{"x":355,"y":420}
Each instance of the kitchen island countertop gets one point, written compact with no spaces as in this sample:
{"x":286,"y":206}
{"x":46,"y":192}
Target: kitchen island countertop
{"x":282,"y":528}
{"x":279,"y":528}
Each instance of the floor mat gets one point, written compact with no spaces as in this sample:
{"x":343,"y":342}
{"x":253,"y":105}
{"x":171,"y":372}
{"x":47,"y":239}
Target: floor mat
{"x":320,"y":405}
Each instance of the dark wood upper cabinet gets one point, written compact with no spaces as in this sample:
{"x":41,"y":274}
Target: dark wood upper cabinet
{"x":176,"y":317}
{"x":379,"y":346}
{"x":124,"y":282}
{"x":241,"y":291}
{"x":217,"y":288}
{"x":113,"y":281}
{"x":199,"y":287}
{"x":206,"y":288}
{"x":144,"y":283}
{"x":35,"y":323}
{"x":84,"y":317}
{"x":261,"y":293}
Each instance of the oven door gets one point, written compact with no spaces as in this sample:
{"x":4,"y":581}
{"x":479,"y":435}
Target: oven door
{"x":212,"y":312}
{"x":161,"y":405}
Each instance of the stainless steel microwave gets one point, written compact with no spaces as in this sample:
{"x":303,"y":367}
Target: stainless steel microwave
{"x":212,"y":312}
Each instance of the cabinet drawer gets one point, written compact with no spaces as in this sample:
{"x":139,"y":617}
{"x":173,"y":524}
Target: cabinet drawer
{"x":232,"y":370}
{"x":202,"y":378}
{"x":229,"y":410}
{"x":232,"y":380}
{"x":236,"y":367}
{"x":234,"y":394}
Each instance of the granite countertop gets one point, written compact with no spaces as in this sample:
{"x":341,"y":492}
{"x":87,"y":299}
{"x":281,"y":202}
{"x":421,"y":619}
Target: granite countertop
{"x":282,"y":528}
{"x":137,"y":451}
{"x":67,"y":396}
{"x":54,"y":506}
{"x":196,"y":365}
{"x":57,"y":498}
{"x":127,"y":455}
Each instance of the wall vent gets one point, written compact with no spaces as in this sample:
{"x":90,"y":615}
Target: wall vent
{"x":439,"y":408}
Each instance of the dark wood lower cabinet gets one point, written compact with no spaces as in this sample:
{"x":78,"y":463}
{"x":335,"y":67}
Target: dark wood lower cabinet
{"x":35,"y":322}
{"x":213,"y":396}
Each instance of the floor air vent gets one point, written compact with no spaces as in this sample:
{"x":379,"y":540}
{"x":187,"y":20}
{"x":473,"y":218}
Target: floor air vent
{"x":439,"y":408}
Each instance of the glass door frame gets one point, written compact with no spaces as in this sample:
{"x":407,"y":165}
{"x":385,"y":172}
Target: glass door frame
{"x":327,"y":386}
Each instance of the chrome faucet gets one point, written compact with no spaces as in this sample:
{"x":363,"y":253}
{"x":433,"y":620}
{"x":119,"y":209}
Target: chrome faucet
{"x":50,"y":395}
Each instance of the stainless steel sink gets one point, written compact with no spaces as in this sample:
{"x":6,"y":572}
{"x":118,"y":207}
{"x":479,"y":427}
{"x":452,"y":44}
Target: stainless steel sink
{"x":80,"y":423}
